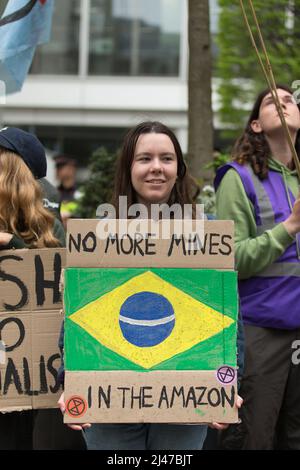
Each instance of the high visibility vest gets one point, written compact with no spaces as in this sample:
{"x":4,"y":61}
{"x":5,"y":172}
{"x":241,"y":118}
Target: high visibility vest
{"x":271,"y":298}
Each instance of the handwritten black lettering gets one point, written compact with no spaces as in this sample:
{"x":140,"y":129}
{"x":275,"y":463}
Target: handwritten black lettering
{"x":150,"y":245}
{"x":20,"y":325}
{"x":75,"y":243}
{"x":27,"y":380}
{"x":213,"y":244}
{"x":138,"y":397}
{"x":43,"y":377}
{"x":41,"y":283}
{"x":177,"y":393}
{"x":202,"y":392}
{"x":223,"y":241}
{"x":105,"y":396}
{"x":12,"y":377}
{"x":54,"y":372}
{"x":124,"y":390}
{"x":194,"y":244}
{"x":90,"y":399}
{"x":177,"y":241}
{"x":164,"y":398}
{"x":226,"y":398}
{"x":138,"y":239}
{"x":9,"y":277}
{"x":217,"y":397}
{"x":111,"y":240}
{"x":129,"y":250}
{"x":145,"y":397}
{"x":89,"y":243}
{"x":191,"y":397}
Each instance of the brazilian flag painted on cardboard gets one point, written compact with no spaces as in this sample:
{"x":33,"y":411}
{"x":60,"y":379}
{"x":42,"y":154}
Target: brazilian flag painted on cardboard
{"x":149,"y":319}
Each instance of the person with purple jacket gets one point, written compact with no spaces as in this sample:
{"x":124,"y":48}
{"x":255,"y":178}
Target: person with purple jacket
{"x":259,"y":190}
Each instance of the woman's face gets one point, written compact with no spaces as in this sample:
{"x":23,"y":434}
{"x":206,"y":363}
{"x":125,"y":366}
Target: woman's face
{"x":268,"y":120}
{"x":154,"y":168}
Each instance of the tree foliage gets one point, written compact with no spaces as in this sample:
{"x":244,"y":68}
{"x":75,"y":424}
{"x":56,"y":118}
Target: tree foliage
{"x":241,"y":77}
{"x":99,"y":187}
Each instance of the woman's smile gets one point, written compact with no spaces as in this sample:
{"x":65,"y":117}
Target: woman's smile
{"x":155,"y":181}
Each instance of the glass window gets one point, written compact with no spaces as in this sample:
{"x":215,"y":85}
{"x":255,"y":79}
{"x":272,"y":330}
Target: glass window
{"x":61,"y":54}
{"x":214,"y":11}
{"x":79,"y":142}
{"x":135,"y":37}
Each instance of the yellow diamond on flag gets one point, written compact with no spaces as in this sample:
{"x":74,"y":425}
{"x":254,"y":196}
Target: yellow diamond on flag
{"x":114,"y":320}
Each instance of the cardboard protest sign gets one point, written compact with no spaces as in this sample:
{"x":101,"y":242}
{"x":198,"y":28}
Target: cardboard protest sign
{"x":140,"y":243}
{"x":150,"y":344}
{"x":30,"y":322}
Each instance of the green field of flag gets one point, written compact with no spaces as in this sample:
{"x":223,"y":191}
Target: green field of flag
{"x":150,"y":319}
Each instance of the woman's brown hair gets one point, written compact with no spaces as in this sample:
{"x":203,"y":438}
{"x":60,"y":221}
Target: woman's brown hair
{"x":21,"y":207}
{"x":253,"y":147}
{"x":185,"y":190}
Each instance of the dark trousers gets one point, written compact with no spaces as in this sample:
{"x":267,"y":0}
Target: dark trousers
{"x":139,"y":436}
{"x":271,"y":391}
{"x":50,"y":433}
{"x":16,"y":430}
{"x":38,"y":430}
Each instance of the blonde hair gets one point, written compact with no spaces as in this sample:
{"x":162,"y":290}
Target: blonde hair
{"x":21,"y":207}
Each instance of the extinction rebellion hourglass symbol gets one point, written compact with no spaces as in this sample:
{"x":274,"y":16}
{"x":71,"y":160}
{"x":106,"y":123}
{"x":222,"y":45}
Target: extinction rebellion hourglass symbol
{"x":76,"y":406}
{"x":226,"y":375}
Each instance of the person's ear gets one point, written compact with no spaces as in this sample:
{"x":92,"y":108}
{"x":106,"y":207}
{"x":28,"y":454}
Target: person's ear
{"x":255,"y":126}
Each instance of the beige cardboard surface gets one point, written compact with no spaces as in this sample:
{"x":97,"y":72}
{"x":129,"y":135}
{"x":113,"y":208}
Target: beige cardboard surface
{"x":30,"y":322}
{"x":27,"y":280}
{"x":85,"y":249}
{"x":160,"y":396}
{"x":16,"y":280}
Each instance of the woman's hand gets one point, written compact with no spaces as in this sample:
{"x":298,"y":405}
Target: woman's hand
{"x":5,"y":238}
{"x":292,"y":223}
{"x":75,"y":427}
{"x":222,"y":426}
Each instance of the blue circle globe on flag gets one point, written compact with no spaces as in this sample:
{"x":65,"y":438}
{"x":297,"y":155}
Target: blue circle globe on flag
{"x":146,"y":319}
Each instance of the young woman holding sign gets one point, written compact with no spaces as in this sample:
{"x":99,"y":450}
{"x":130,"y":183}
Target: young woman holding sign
{"x":150,"y":170}
{"x":259,"y":190}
